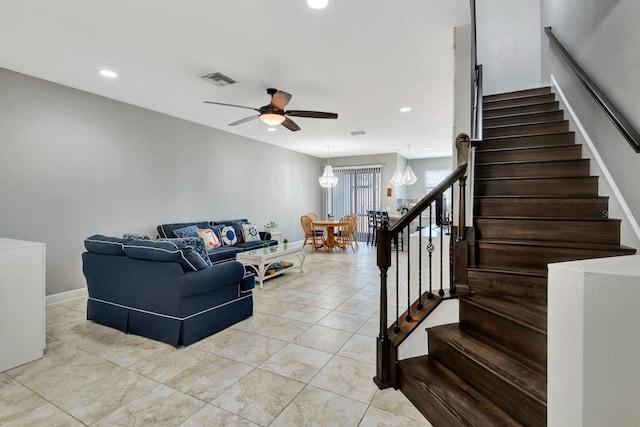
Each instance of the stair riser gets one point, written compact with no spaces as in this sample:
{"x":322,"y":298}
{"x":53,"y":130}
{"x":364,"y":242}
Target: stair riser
{"x":536,"y":169}
{"x":532,"y":258}
{"x":606,"y":232}
{"x":527,"y":129}
{"x":542,"y":207}
{"x":516,"y":119}
{"x":533,"y":108}
{"x":488,"y":104}
{"x":511,"y":399}
{"x":568,"y":152}
{"x":426,"y":403}
{"x":527,"y":141}
{"x":526,"y":343}
{"x":518,"y":94}
{"x":528,"y":288}
{"x":576,"y":187}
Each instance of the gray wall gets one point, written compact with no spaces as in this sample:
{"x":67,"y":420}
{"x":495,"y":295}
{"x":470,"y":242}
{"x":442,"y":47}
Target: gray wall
{"x":420,"y":166}
{"x":509,"y":44}
{"x":73,"y":164}
{"x":603,"y":37}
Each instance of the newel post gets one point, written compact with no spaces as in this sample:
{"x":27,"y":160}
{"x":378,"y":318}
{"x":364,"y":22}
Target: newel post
{"x":385,"y":351}
{"x":461,"y":253}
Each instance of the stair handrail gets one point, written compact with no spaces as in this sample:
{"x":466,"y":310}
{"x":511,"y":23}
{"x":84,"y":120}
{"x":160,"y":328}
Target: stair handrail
{"x":618,"y":119}
{"x":386,"y":350}
{"x":476,"y":128}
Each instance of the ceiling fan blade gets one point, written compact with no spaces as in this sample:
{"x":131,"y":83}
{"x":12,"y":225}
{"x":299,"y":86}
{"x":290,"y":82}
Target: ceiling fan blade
{"x":246,"y":119}
{"x":311,"y":114}
{"x":230,"y":105}
{"x":291,"y":125}
{"x":280,"y":99}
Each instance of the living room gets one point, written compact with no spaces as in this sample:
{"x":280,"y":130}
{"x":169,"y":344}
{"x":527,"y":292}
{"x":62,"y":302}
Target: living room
{"x":76,"y":163}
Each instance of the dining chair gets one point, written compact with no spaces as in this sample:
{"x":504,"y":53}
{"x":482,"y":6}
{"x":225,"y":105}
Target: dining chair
{"x":342,"y":232}
{"x":314,"y":218}
{"x":371,"y":227}
{"x":311,"y":236}
{"x":354,"y":229}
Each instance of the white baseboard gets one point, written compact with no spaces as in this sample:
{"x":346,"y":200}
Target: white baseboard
{"x":626,"y":210}
{"x":66,"y":296}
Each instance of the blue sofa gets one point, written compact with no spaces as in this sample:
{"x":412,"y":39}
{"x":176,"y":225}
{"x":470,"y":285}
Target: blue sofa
{"x":148,"y":288}
{"x":223,"y":253}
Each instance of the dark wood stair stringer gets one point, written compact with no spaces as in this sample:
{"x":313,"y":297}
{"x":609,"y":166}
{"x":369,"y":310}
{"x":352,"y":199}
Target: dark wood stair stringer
{"x":534,"y":203}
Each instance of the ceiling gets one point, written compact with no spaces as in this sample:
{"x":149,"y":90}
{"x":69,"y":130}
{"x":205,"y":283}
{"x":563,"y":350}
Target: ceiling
{"x":362,"y":59}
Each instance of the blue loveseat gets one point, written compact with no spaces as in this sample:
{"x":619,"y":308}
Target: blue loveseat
{"x":156,"y":290}
{"x":222,"y":253}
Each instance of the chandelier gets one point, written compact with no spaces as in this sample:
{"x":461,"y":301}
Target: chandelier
{"x":328,"y":179}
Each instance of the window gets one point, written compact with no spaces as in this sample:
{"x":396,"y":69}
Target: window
{"x":358,"y":191}
{"x":432,"y":178}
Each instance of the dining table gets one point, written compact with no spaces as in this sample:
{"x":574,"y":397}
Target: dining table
{"x":330,"y":225}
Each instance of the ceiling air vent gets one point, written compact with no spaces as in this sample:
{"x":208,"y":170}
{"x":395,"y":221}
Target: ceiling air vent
{"x":357,"y":132}
{"x":219,"y":79}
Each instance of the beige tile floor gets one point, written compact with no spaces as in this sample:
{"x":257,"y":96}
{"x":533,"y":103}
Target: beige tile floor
{"x":305,"y":358}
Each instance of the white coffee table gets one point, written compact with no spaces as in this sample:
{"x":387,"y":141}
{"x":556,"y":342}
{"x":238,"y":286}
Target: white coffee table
{"x":261,"y":259}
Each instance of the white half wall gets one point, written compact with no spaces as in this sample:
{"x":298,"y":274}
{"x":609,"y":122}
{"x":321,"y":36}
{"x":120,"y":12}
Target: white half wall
{"x":508,"y":40}
{"x":593,"y":368}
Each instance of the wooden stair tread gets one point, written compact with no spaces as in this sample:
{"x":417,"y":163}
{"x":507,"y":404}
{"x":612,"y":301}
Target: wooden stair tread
{"x":499,"y":271}
{"x":512,"y":125}
{"x":534,"y":147}
{"x":505,"y":178}
{"x":549,"y":218}
{"x":532,"y":162}
{"x":532,"y":107}
{"x":525,"y":379}
{"x":448,"y":400}
{"x":518,"y":93}
{"x":529,"y":314}
{"x":560,"y":244}
{"x":506,"y":137}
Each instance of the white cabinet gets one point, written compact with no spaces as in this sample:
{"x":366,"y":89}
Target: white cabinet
{"x":22,"y":312}
{"x":277,"y":235}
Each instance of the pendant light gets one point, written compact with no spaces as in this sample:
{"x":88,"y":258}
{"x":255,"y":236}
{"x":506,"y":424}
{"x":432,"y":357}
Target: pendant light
{"x":328,"y":179}
{"x":409,"y":178}
{"x":396,"y":179}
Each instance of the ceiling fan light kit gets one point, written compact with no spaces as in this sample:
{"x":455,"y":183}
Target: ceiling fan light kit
{"x":274,"y":113}
{"x":272,"y":119}
{"x":317,"y":4}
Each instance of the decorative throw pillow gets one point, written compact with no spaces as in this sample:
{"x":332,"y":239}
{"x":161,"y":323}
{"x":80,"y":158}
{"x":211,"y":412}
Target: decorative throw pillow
{"x":217,"y":230}
{"x":135,"y":236}
{"x":251,"y":233}
{"x":190,"y":231}
{"x":209,"y":237}
{"x":228,"y":235}
{"x":195,"y":243}
{"x":237,"y":227}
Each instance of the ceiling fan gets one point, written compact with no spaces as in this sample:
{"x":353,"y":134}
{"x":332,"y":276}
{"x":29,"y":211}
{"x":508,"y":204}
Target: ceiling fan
{"x":274,"y":113}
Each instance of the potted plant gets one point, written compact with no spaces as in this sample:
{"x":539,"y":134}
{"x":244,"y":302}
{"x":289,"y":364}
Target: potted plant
{"x":270,"y":226}
{"x":284,"y":242}
{"x":265,"y":246}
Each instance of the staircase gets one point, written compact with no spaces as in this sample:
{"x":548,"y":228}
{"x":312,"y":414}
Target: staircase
{"x":535,"y":203}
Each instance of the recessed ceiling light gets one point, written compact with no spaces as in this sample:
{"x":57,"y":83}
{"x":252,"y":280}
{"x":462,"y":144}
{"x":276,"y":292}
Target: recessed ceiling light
{"x":271,"y":129}
{"x":405,"y":109}
{"x":108,"y":73}
{"x":427,"y":148}
{"x":317,"y":4}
